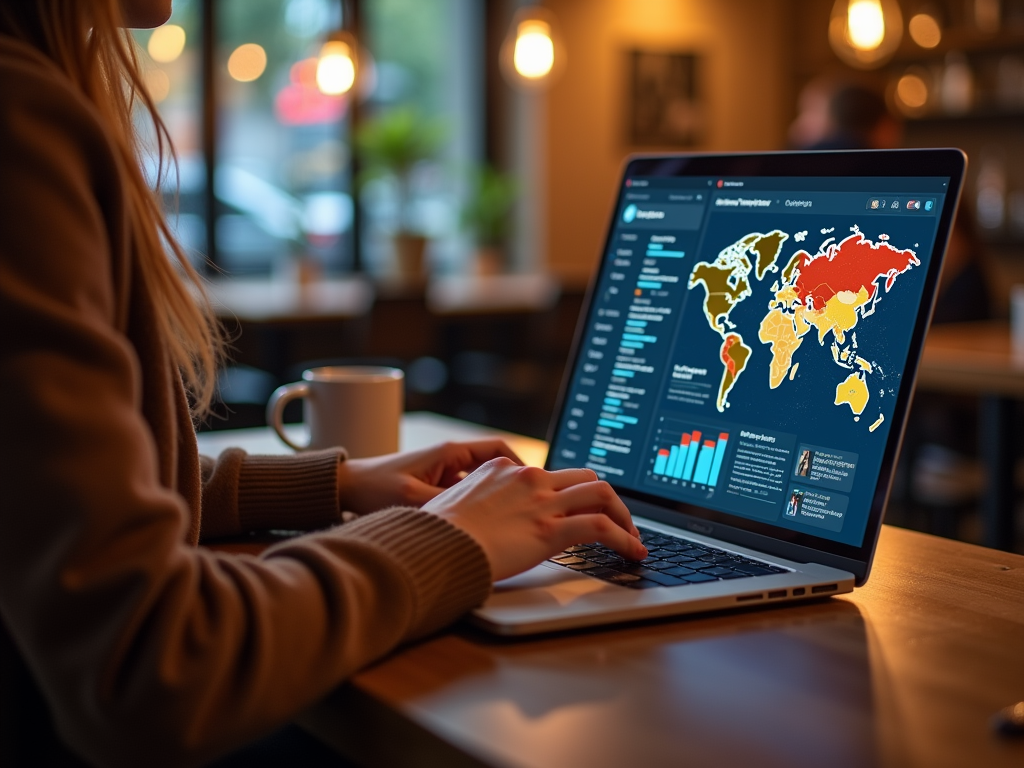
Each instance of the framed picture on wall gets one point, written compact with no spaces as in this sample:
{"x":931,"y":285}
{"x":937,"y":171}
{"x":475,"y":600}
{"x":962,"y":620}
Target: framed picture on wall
{"x":663,"y":103}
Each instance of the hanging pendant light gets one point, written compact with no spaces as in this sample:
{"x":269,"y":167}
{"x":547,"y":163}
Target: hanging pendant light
{"x":865,"y":33}
{"x":532,"y":55}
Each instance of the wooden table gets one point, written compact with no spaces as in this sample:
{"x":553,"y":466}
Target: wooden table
{"x":904,"y":672}
{"x":978,"y":359}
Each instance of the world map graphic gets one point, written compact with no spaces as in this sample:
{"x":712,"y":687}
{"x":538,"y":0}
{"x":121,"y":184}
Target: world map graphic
{"x":829,"y":292}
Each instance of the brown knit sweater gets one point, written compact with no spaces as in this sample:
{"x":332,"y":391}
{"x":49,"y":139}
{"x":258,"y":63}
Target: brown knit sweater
{"x":148,"y":649}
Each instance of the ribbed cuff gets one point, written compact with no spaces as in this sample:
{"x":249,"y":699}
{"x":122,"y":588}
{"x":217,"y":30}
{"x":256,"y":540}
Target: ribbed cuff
{"x":446,"y":568}
{"x":295,"y":492}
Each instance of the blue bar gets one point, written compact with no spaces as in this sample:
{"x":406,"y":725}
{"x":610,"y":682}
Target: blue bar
{"x":637,"y":323}
{"x":631,"y":344}
{"x":659,"y":464}
{"x":612,"y":424}
{"x":620,"y":372}
{"x":704,"y":465}
{"x":627,"y":419}
{"x":639,"y":337}
{"x":599,"y":451}
{"x":612,"y":409}
{"x":690,"y":459}
{"x":666,"y":254}
{"x":683,"y":453}
{"x":647,"y":284}
{"x":673,"y":460}
{"x":613,"y":401}
{"x":716,"y":465}
{"x":654,"y":246}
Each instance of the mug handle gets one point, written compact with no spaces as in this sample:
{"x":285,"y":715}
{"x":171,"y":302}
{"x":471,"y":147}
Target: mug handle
{"x":275,"y":409}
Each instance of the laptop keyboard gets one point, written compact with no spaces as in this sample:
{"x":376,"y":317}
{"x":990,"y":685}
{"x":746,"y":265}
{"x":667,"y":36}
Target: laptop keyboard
{"x":670,"y":562}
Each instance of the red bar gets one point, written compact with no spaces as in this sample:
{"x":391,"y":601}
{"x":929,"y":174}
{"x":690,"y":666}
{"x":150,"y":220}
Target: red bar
{"x":663,"y":452}
{"x":710,"y":444}
{"x":723,"y":436}
{"x":684,"y":440}
{"x":696,"y":436}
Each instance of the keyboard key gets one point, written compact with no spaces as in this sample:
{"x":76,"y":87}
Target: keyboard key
{"x":567,"y":559}
{"x":577,"y":548}
{"x":716,"y":571}
{"x":697,"y":578}
{"x":735,"y":575}
{"x":583,"y":566}
{"x":620,"y":578}
{"x":679,"y":570}
{"x":659,"y":565}
{"x":642,"y":584}
{"x":680,"y":559}
{"x":753,"y":570}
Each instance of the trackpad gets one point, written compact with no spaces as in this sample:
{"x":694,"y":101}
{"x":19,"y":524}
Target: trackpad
{"x":546,"y":584}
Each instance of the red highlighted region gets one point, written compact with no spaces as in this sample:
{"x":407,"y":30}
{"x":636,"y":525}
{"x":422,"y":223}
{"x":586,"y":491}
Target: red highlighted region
{"x":730,"y":364}
{"x":850,"y":265}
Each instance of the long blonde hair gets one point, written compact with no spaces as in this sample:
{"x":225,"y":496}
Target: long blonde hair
{"x":89,"y":43}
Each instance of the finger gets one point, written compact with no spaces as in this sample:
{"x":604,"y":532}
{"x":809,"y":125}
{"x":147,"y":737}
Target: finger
{"x":463,"y":458}
{"x":564,"y":478}
{"x":582,"y":529}
{"x":587,"y":498}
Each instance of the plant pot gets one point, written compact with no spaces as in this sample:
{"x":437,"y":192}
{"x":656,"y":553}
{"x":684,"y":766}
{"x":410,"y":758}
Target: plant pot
{"x":409,"y":255}
{"x":489,"y":261}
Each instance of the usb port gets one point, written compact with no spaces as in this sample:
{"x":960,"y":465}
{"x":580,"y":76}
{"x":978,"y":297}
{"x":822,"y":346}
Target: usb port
{"x":776,"y":593}
{"x":824,"y":588}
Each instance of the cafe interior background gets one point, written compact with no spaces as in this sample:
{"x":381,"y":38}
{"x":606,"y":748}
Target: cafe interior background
{"x":426,"y":183}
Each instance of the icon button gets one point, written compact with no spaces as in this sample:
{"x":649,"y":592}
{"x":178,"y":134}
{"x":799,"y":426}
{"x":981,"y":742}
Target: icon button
{"x":913,"y":205}
{"x":929,"y":205}
{"x":895,"y":205}
{"x":873,"y":204}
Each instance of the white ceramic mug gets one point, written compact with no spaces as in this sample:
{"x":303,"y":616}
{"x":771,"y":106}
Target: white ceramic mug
{"x":356,"y":407}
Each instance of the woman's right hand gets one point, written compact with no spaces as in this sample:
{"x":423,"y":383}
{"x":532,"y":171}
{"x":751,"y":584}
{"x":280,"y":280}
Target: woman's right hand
{"x":521,"y":516}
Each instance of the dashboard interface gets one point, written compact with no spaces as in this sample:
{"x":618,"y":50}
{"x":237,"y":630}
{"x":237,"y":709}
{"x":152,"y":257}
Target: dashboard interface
{"x":746,"y":341}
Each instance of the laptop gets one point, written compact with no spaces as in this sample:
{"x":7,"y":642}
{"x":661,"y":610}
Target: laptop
{"x":741,"y":374}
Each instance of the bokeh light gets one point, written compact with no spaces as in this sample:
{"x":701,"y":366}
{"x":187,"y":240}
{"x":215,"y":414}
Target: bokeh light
{"x":534,"y":54}
{"x":925,"y":30}
{"x":166,"y":43}
{"x":247,"y":62}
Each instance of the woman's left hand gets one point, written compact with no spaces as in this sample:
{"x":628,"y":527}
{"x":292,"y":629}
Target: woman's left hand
{"x":412,"y":478}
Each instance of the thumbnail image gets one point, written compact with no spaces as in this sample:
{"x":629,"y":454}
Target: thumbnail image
{"x":803,"y":466}
{"x":796,"y":499}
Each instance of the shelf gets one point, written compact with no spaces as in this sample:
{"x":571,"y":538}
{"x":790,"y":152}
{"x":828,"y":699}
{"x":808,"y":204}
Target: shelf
{"x":984,"y":115}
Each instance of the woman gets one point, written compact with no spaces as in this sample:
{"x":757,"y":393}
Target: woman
{"x":146,"y":648}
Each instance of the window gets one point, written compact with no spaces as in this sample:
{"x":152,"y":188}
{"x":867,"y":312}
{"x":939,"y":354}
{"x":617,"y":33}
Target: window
{"x":235,"y":81}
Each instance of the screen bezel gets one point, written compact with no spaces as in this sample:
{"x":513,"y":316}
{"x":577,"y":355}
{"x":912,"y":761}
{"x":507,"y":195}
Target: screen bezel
{"x":793,"y":545}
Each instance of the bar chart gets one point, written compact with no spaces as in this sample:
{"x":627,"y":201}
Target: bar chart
{"x":695,"y":457}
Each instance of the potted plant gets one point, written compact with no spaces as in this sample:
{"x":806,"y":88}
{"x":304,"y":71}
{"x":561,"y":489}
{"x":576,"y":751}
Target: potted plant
{"x":488,"y":215}
{"x":391,"y":144}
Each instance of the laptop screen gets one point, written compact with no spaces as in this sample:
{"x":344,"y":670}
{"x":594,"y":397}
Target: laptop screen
{"x":746,"y":341}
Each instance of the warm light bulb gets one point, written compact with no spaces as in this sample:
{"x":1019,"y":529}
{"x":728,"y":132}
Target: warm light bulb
{"x":865,"y":33}
{"x":166,"y":43}
{"x":534,"y":54}
{"x":865,"y":26}
{"x":247,"y":62}
{"x":925,"y":30}
{"x":336,"y":69}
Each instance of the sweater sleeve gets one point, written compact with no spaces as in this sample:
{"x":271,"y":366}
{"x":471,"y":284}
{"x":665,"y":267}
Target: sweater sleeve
{"x":148,"y":651}
{"x":242,"y":492}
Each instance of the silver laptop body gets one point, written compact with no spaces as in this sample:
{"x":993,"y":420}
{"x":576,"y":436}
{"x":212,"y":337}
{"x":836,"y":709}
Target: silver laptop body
{"x":741,"y":374}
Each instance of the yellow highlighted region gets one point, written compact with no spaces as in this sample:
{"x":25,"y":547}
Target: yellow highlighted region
{"x":877,"y":424}
{"x":839,"y":315}
{"x":864,"y":364}
{"x":777,"y":329}
{"x":793,"y":370}
{"x":853,"y":391}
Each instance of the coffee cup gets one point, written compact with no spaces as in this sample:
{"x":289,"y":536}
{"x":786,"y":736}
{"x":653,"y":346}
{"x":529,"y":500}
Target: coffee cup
{"x":356,"y":407}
